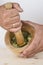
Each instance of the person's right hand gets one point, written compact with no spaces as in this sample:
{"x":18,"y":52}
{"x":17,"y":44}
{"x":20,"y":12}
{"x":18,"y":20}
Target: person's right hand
{"x":9,"y":18}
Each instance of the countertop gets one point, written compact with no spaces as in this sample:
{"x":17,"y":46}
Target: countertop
{"x":8,"y":58}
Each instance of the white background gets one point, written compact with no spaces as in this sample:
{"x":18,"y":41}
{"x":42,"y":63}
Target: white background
{"x":33,"y":10}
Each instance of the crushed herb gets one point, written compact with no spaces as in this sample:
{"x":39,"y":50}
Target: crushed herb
{"x":27,"y":38}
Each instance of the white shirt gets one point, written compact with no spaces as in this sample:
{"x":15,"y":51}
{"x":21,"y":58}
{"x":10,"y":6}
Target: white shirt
{"x":33,"y":9}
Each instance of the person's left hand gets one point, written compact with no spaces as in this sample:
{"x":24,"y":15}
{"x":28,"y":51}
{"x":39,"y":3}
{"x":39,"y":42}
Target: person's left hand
{"x":37,"y":43}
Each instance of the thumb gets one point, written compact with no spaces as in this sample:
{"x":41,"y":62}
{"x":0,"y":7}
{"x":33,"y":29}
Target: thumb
{"x":17,"y":6}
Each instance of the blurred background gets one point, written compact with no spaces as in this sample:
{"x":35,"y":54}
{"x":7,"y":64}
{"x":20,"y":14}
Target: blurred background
{"x":33,"y":11}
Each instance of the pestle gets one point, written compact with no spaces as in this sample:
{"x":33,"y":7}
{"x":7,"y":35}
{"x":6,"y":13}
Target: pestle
{"x":18,"y":34}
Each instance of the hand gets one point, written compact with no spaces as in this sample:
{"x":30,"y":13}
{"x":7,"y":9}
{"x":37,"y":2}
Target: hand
{"x":37,"y":43}
{"x":9,"y":18}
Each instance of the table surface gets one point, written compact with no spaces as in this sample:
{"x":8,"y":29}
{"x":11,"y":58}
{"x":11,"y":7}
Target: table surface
{"x":8,"y":58}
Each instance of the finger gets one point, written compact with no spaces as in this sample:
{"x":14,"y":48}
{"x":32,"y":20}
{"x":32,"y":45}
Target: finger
{"x":29,"y":56}
{"x":16,"y":25}
{"x":12,"y":28}
{"x":36,"y":51}
{"x":27,"y":51}
{"x":18,"y":7}
{"x":12,"y":20}
{"x":15,"y":29}
{"x":10,"y":13}
{"x":9,"y":26}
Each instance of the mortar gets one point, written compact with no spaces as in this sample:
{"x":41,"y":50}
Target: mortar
{"x":25,"y":27}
